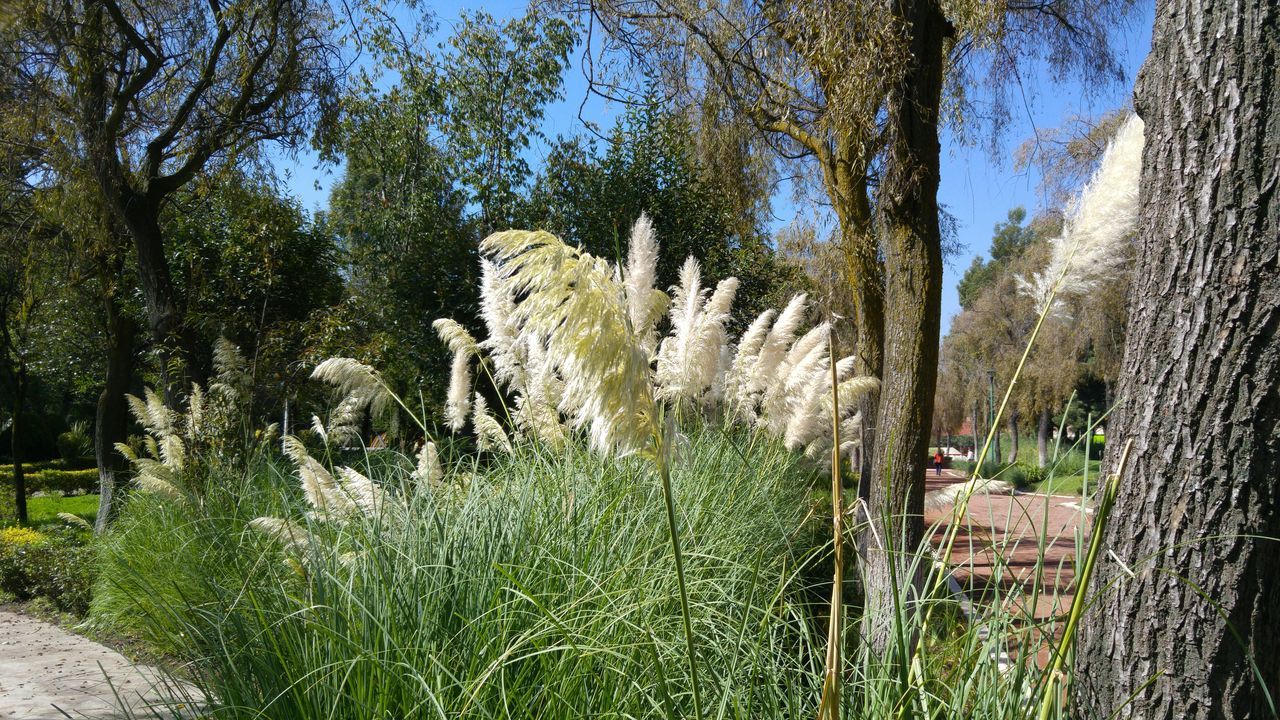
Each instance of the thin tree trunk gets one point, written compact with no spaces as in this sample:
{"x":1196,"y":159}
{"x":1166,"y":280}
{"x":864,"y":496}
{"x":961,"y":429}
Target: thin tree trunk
{"x":1189,"y":625}
{"x":976,"y":430}
{"x":1013,"y":438}
{"x":112,"y":419}
{"x":913,"y":296}
{"x":15,"y":441}
{"x":1042,"y":439}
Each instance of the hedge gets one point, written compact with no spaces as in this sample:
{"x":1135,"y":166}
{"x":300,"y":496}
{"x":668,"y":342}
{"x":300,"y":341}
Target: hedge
{"x":67,"y":482}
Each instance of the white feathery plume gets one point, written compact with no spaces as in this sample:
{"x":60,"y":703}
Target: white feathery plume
{"x":354,"y":379}
{"x":737,"y":381}
{"x":792,"y":377}
{"x":1091,"y":249}
{"x":323,"y":493}
{"x":152,"y":414}
{"x":362,"y":491}
{"x":455,"y":336}
{"x":673,"y":353}
{"x":575,"y":303}
{"x":458,"y":403}
{"x":489,"y":434}
{"x":74,"y":520}
{"x":536,"y":412}
{"x":496,"y":309}
{"x":644,"y":303}
{"x":939,"y":499}
{"x":688,"y":359}
{"x":228,"y":363}
{"x":776,"y":343}
{"x":345,"y":421}
{"x":429,"y":469}
{"x":317,"y":426}
{"x":287,"y":533}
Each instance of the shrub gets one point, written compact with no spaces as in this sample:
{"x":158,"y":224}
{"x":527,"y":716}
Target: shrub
{"x":75,"y":443}
{"x":49,"y":480}
{"x":54,"y":564}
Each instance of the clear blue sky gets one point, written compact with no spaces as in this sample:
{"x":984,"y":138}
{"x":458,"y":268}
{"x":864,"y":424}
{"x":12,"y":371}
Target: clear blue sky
{"x":976,"y":188}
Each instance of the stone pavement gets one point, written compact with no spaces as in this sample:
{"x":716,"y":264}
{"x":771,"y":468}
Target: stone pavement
{"x":47,"y":673}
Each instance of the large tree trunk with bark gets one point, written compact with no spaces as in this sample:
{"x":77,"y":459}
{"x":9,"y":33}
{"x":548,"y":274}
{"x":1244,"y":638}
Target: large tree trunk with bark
{"x":112,"y":420}
{"x":174,"y":340}
{"x":913,"y":296}
{"x":848,"y":193}
{"x":1189,"y":626}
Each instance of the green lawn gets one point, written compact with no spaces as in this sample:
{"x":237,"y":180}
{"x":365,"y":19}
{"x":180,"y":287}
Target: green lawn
{"x":44,"y":510}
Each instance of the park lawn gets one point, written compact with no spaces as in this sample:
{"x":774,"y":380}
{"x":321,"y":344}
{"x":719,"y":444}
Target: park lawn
{"x":1065,"y":485}
{"x":44,"y":509}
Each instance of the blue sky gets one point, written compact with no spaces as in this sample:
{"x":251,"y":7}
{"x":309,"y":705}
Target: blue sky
{"x":976,"y":188}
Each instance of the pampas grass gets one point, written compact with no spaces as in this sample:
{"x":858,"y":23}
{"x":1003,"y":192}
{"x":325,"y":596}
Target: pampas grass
{"x":645,"y":304}
{"x":575,"y":303}
{"x":1093,"y":247}
{"x":689,"y":359}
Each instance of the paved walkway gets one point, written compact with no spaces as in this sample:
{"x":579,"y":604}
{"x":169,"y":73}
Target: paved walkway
{"x":998,"y":544}
{"x":47,"y":673}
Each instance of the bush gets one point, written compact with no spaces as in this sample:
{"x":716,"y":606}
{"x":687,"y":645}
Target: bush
{"x":54,"y":564}
{"x":75,"y":443}
{"x":50,"y":480}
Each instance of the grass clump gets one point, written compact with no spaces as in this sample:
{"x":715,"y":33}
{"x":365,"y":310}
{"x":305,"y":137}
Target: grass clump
{"x":536,"y":586}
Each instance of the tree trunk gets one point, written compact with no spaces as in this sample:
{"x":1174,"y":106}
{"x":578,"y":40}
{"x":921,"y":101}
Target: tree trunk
{"x":976,"y":431}
{"x":1013,"y":437}
{"x":866,"y":281}
{"x":1042,"y":439}
{"x":173,"y":339}
{"x":15,"y":442}
{"x":1198,"y":601}
{"x":112,"y":421}
{"x":913,"y":296}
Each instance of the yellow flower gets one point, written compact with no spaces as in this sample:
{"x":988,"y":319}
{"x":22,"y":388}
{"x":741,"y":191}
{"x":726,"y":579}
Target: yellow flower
{"x":20,"y":536}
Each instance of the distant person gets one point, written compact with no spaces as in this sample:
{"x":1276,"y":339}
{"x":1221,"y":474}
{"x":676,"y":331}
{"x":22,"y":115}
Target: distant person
{"x":937,"y":462}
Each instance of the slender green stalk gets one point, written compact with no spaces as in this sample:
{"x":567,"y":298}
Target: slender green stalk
{"x":664,"y":471}
{"x":830,"y":706}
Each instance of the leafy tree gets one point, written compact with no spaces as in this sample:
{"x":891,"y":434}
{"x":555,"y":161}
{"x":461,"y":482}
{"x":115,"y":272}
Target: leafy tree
{"x":650,"y":166}
{"x":253,"y":270}
{"x":1008,"y":242}
{"x":144,"y":99}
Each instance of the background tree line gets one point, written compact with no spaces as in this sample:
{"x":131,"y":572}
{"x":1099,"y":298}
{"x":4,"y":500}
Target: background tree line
{"x":142,"y":218}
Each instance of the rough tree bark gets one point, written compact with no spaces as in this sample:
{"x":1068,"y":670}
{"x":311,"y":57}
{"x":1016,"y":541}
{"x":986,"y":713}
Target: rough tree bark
{"x":912,"y":302}
{"x":1198,"y":598}
{"x":112,"y":419}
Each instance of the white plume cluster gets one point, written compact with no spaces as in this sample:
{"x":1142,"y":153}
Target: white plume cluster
{"x":689,"y":359}
{"x":490,"y":436}
{"x":645,"y":304}
{"x":1092,"y":247}
{"x":212,"y":426}
{"x":574,"y":341}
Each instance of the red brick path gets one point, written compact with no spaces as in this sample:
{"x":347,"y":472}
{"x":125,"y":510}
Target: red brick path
{"x":997,"y":545}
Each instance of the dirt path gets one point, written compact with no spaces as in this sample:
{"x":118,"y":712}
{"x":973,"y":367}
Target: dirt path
{"x":47,"y":673}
